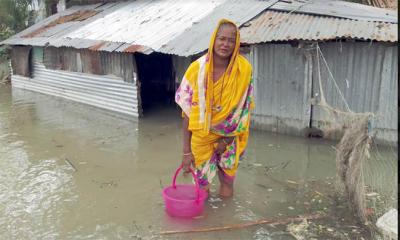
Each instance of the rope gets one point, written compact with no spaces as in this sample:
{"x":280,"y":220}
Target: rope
{"x":323,"y":101}
{"x":330,"y":73}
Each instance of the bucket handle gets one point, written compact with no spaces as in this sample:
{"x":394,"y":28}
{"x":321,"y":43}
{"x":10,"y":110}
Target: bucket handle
{"x":194,"y":177}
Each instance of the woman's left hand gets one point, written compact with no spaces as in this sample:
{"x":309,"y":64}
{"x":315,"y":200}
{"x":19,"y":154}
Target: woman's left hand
{"x":222,"y":144}
{"x":221,"y":147}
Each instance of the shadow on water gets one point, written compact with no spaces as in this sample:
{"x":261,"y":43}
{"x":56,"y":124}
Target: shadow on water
{"x":70,"y":171}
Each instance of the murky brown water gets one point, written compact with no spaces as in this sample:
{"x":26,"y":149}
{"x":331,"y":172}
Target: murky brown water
{"x":70,"y":171}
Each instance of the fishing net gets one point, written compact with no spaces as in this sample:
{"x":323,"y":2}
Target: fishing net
{"x":366,"y":171}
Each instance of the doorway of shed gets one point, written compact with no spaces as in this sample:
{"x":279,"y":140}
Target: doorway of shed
{"x":157,"y":85}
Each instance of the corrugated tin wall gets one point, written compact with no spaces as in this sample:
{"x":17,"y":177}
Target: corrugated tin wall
{"x":286,"y":77}
{"x":282,"y":81}
{"x":88,"y":61}
{"x":103,"y":91}
{"x":388,"y":101}
{"x":366,"y":74}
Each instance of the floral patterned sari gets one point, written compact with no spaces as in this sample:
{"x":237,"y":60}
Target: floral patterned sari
{"x":217,"y":109}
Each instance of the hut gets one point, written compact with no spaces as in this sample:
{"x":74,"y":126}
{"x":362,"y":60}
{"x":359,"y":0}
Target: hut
{"x":122,"y":56}
{"x":126,"y":56}
{"x":359,"y":45}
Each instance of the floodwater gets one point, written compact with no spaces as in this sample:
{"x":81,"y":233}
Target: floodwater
{"x":71,"y":171}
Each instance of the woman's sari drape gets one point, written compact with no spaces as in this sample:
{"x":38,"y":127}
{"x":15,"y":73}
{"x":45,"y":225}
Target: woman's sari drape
{"x":199,"y":95}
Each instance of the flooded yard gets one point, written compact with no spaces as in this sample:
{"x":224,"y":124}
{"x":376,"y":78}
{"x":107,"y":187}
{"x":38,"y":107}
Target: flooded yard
{"x":71,"y":171}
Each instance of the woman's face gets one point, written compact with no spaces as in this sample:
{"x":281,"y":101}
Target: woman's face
{"x":225,"y":41}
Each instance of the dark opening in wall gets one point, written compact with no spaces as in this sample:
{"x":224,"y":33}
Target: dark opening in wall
{"x":21,"y":60}
{"x":156,"y":81}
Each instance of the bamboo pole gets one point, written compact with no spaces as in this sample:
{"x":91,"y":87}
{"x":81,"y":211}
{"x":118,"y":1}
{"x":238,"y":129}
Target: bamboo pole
{"x":243,"y":225}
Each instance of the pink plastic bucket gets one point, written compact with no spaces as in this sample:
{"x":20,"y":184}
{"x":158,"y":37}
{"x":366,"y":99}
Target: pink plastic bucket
{"x":184,"y":200}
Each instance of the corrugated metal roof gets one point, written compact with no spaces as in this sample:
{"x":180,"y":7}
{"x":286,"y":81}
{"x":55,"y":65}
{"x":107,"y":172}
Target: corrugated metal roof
{"x":180,"y":27}
{"x":183,"y":27}
{"x":283,"y":26}
{"x":146,"y":23}
{"x":337,"y":8}
{"x":196,"y":39}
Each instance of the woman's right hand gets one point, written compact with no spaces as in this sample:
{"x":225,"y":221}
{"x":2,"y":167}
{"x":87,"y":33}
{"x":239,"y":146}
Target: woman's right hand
{"x":187,"y":161}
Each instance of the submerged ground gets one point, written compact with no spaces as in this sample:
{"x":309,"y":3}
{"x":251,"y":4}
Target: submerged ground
{"x":71,"y":171}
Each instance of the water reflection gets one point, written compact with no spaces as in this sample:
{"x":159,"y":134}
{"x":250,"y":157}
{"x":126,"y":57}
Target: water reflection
{"x":71,"y":171}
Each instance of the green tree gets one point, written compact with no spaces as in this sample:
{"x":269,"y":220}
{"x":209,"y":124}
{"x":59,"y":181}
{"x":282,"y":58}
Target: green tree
{"x":13,"y":15}
{"x":13,"y":18}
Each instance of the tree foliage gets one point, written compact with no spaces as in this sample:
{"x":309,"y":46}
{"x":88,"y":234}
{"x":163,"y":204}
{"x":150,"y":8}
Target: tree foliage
{"x":14,"y":16}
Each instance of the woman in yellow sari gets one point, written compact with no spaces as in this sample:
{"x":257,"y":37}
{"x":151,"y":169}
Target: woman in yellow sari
{"x":216,"y":97}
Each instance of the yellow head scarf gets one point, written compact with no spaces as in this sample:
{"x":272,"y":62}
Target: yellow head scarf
{"x":199,"y":76}
{"x":210,"y":69}
{"x":231,"y":72}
